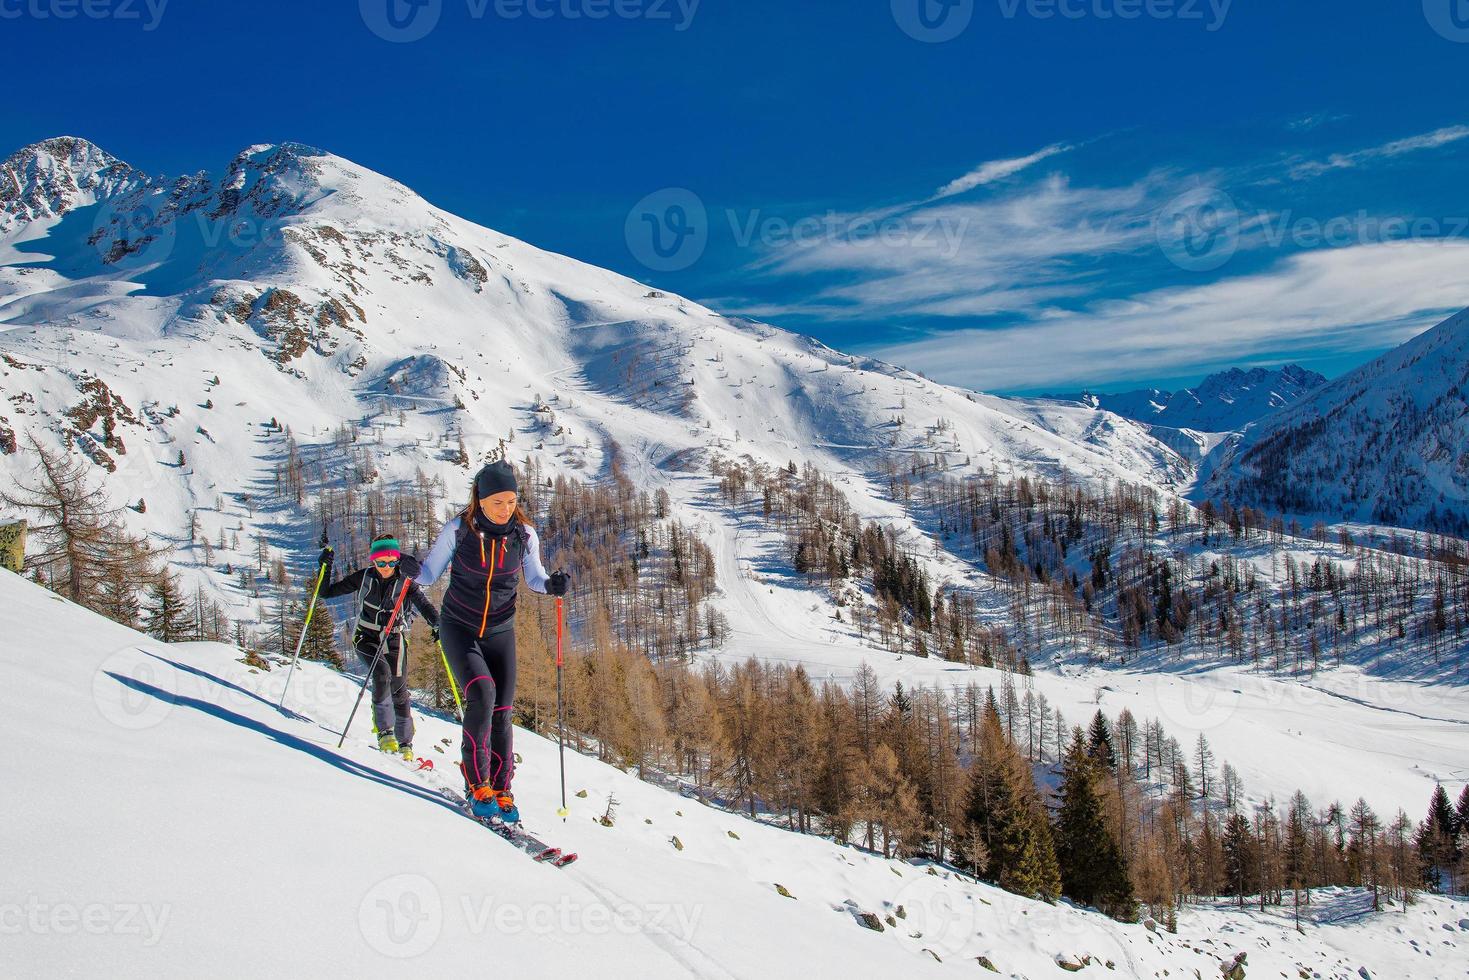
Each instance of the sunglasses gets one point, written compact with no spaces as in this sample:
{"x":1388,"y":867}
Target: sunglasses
{"x":386,"y":563}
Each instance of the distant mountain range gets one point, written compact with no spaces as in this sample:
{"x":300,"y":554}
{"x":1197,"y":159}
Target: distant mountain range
{"x":1223,"y":402}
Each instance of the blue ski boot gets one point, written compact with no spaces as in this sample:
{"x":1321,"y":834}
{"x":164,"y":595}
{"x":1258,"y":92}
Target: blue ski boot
{"x":509,"y":812}
{"x":484,"y":803}
{"x":496,"y":806}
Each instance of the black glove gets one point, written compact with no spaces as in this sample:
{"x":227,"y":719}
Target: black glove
{"x":433,"y":631}
{"x":325,"y":558}
{"x":409,"y":566}
{"x":558,"y":583}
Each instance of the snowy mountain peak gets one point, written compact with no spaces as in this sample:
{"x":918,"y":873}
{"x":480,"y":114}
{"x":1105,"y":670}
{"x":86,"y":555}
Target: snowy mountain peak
{"x":278,"y":179}
{"x":49,"y":178}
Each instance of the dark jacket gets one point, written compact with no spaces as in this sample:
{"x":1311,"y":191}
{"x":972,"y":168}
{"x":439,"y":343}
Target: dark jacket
{"x":375,"y":599}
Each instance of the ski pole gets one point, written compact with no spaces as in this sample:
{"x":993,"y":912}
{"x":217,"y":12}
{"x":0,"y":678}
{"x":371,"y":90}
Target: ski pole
{"x":560,"y":712}
{"x":320,"y":576}
{"x":453,"y":684}
{"x":382,"y":642}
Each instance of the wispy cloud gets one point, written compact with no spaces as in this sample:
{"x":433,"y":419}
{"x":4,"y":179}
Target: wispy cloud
{"x":1314,"y":121}
{"x":1397,"y":148}
{"x":1084,"y":284}
{"x":1011,"y":252}
{"x":1344,"y":300}
{"x":993,"y":170}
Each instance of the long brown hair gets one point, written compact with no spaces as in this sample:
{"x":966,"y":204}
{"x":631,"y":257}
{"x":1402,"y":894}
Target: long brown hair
{"x":473,"y":508}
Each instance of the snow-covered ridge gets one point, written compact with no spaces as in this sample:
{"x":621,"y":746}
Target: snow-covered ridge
{"x":303,"y":280}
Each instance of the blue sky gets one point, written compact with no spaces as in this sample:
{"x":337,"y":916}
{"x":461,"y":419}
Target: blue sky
{"x":1018,"y":195}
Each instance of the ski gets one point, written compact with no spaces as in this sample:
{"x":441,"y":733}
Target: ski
{"x":515,"y":835}
{"x":538,"y":849}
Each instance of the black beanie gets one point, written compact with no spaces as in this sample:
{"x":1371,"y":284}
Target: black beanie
{"x":494,"y":478}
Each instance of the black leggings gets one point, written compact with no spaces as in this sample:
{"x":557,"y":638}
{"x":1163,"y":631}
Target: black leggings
{"x":391,"y":711}
{"x":484,"y":671}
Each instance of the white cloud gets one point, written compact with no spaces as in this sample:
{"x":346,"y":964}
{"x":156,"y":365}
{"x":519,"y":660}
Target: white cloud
{"x":993,"y":170}
{"x":1020,"y":238}
{"x":1397,"y":148}
{"x":1363,"y":298}
{"x":1041,"y":254}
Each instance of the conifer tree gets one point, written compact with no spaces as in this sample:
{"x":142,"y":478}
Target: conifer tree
{"x":1006,"y":815}
{"x":1101,"y":748}
{"x":1092,"y":869}
{"x":321,"y":635}
{"x":122,"y":580}
{"x":167,"y":610}
{"x":1239,"y":857}
{"x":1436,"y":840}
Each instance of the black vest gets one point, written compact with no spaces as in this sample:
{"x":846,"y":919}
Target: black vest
{"x":484,"y":574}
{"x":375,"y":600}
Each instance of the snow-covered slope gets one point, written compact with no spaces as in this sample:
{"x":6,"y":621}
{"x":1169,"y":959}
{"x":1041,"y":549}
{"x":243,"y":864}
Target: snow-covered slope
{"x":163,"y":814}
{"x":1226,"y":401}
{"x":159,"y":326}
{"x":317,"y":291}
{"x":1385,"y":443}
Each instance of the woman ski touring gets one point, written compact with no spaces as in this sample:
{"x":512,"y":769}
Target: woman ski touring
{"x":378,"y":588}
{"x":486,"y":549}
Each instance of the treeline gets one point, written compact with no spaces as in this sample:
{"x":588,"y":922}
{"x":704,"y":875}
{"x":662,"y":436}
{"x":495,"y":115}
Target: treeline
{"x":1135,"y":822}
{"x":1123,"y":568}
{"x":828,"y":545}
